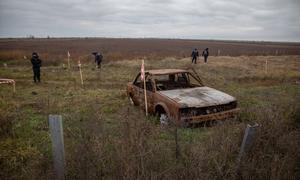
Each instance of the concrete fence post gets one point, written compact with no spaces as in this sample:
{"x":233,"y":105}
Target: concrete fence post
{"x":247,"y":142}
{"x":56,"y":130}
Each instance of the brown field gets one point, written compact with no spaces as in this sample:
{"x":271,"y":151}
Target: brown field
{"x":120,"y":49}
{"x":107,"y":138}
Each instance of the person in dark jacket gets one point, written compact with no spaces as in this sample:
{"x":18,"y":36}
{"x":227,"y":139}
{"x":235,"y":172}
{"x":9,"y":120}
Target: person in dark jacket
{"x":194,"y":56}
{"x":98,"y":58}
{"x":36,"y":65}
{"x":205,"y":54}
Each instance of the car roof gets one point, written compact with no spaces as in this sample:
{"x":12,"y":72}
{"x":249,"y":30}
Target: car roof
{"x":165,"y":71}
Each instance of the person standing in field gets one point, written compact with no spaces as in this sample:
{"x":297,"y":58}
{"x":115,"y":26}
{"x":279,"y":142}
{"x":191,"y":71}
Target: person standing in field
{"x":205,"y":54}
{"x":36,"y":65}
{"x":98,"y":58}
{"x":194,"y":56}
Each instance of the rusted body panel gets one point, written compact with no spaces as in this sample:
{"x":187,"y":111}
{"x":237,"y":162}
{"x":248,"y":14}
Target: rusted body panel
{"x":171,"y":107}
{"x":186,"y":105}
{"x":165,"y":71}
{"x":198,"y":97}
{"x":153,"y":99}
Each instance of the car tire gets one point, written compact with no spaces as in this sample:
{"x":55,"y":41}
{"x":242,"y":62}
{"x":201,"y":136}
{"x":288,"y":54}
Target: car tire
{"x":164,"y":119}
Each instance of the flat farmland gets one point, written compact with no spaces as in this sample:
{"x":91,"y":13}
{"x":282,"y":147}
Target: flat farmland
{"x":120,"y":49}
{"x":107,"y":138}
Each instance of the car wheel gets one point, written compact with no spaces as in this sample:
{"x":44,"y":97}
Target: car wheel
{"x":163,"y":118}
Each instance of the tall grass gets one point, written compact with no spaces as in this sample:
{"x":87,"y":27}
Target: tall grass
{"x":106,"y":138}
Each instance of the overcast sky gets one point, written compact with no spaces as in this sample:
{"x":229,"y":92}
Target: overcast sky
{"x":269,"y":20}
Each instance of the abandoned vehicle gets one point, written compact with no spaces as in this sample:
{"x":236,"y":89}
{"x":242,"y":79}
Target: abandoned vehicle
{"x":179,"y":96}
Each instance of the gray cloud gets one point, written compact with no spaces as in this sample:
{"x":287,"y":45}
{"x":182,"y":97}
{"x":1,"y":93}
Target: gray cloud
{"x":274,"y":20}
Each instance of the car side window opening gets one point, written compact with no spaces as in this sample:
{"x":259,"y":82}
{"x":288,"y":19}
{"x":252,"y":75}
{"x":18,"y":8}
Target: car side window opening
{"x":174,"y":81}
{"x":139,"y":83}
{"x":137,"y":80}
{"x":168,"y":81}
{"x":149,"y":86}
{"x":193,"y":81}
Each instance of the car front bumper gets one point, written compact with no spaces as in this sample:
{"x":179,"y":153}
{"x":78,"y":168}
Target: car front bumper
{"x":209,"y":117}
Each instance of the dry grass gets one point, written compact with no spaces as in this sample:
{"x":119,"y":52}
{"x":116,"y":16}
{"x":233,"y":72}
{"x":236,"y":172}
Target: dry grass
{"x":107,"y":138}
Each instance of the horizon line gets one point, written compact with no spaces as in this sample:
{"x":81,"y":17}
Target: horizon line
{"x":159,"y":38}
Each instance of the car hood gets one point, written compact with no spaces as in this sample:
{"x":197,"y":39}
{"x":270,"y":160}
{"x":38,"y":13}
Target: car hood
{"x":198,"y":97}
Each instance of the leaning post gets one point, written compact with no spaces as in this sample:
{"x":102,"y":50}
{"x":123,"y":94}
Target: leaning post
{"x":143,"y":78}
{"x":247,"y":142}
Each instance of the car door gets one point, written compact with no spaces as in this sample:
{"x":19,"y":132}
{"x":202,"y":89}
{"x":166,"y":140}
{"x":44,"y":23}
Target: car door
{"x":140,"y":93}
{"x":150,"y":93}
{"x":137,"y":89}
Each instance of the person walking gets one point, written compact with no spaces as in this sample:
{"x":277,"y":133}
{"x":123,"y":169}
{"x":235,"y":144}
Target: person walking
{"x":194,"y":56}
{"x":98,"y":58}
{"x":205,"y":54}
{"x":36,"y":65}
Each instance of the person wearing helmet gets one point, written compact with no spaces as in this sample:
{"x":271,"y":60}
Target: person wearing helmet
{"x":36,"y":65}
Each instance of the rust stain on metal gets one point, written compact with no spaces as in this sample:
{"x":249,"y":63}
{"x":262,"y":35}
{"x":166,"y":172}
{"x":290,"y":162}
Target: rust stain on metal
{"x":166,"y":71}
{"x":198,"y":97}
{"x":182,"y":97}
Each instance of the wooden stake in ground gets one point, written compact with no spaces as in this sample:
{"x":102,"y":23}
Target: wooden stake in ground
{"x":14,"y":86}
{"x":69,"y":59}
{"x":143,"y":78}
{"x":266,"y":66}
{"x":79,"y":66}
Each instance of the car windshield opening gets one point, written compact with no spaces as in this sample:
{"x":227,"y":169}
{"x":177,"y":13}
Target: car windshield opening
{"x":175,"y":81}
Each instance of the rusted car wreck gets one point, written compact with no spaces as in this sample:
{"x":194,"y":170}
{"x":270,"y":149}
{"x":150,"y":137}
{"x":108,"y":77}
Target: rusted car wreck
{"x":179,"y":96}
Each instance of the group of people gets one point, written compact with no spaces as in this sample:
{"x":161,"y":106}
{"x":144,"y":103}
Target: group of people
{"x":37,"y":62}
{"x":195,"y":55}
